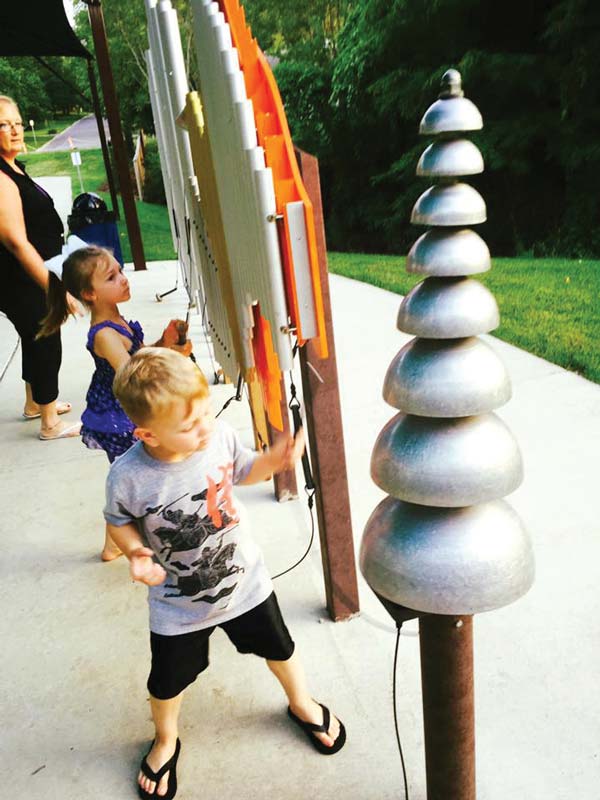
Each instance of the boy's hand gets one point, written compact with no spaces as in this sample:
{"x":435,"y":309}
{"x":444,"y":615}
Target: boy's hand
{"x":287,"y":451}
{"x":284,"y":454}
{"x":144,"y":569}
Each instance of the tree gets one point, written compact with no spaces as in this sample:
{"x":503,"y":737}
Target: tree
{"x":391,"y":56}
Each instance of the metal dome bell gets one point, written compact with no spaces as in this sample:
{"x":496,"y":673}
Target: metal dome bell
{"x":446,"y":378}
{"x":452,"y":113}
{"x":450,"y":159}
{"x":454,"y":204}
{"x":448,"y":253}
{"x":447,"y":561}
{"x":446,"y":462}
{"x":448,"y":308}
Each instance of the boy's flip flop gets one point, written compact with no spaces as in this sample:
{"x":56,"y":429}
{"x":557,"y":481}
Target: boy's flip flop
{"x":170,"y":766}
{"x":61,"y":408}
{"x":67,"y":433}
{"x":310,"y":729}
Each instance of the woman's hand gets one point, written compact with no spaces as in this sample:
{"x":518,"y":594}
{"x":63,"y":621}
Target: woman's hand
{"x":74,"y":306}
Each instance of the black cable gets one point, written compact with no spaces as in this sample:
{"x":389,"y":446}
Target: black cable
{"x":396,"y":712}
{"x":206,"y":339}
{"x":237,"y":396}
{"x":310,"y":501}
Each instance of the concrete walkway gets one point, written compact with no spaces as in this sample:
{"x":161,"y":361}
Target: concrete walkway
{"x":75,"y":655}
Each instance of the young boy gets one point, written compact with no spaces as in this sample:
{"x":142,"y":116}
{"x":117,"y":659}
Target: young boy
{"x":171,"y":510}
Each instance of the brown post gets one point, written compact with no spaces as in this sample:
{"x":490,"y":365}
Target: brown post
{"x":103,"y":143}
{"x":446,"y":644}
{"x":116,"y":131}
{"x":326,"y":436}
{"x":284,"y":483}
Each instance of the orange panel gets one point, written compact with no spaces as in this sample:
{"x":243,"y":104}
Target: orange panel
{"x":274,"y":136}
{"x":267,"y":367}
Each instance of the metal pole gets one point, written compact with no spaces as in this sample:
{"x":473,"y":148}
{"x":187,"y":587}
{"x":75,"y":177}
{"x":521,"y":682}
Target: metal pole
{"x":103,"y":143}
{"x":116,"y":131}
{"x":326,"y":435}
{"x":446,"y":644}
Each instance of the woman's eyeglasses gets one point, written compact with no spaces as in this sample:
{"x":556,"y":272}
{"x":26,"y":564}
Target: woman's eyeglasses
{"x":7,"y":126}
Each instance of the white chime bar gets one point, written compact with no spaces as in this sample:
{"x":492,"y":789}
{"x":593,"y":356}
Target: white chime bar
{"x":245,"y":184}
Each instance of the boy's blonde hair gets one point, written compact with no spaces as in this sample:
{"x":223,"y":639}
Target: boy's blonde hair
{"x":152,"y":379}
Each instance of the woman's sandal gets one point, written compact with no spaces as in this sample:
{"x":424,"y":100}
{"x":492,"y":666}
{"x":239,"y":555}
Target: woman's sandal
{"x":66,"y":433}
{"x":170,"y":766}
{"x":310,"y":729}
{"x":62,"y":407}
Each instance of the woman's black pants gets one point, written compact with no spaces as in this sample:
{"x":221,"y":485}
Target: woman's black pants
{"x":25,"y":307}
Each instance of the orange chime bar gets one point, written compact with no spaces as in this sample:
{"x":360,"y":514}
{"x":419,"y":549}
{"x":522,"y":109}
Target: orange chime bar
{"x":274,"y":136}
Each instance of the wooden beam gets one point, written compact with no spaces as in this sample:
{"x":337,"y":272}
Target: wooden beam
{"x":326,"y":435}
{"x":116,"y":131}
{"x":103,"y":143}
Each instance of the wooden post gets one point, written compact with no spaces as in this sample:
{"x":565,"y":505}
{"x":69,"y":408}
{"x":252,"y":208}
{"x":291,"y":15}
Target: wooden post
{"x":103,"y":143}
{"x":116,"y":131}
{"x":446,"y":644}
{"x":284,"y":483}
{"x":326,"y":436}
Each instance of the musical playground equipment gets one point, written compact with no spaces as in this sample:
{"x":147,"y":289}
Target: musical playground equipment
{"x":444,"y":545}
{"x":243,"y":226}
{"x":242,"y":222}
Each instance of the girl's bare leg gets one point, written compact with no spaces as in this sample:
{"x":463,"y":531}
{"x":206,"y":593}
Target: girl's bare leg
{"x":110,"y":551}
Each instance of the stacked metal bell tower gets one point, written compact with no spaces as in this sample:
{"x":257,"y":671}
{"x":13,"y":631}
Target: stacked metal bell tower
{"x":444,"y":545}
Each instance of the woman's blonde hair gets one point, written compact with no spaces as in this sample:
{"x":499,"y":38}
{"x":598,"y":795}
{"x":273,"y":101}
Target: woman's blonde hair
{"x":4,"y":98}
{"x":152,"y":379}
{"x":78,"y":270}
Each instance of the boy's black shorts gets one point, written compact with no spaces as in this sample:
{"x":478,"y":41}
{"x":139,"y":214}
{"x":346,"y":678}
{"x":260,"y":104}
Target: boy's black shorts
{"x":178,"y":660}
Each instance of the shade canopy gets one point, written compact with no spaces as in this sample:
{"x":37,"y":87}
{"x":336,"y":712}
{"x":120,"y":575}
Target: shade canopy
{"x":38,"y":28}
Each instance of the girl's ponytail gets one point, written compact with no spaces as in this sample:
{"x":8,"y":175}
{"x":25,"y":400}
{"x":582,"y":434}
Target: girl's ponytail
{"x":58,"y":309}
{"x":77,"y":272}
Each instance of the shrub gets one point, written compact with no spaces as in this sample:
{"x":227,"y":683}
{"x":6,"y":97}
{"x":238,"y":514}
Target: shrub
{"x":154,"y":188}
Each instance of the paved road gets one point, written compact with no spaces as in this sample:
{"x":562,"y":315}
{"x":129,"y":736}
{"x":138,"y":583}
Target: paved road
{"x":83,"y":133}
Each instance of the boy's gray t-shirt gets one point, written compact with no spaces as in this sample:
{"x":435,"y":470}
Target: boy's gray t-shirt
{"x":187,"y":514}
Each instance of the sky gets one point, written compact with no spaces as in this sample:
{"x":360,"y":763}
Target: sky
{"x":68,"y":4}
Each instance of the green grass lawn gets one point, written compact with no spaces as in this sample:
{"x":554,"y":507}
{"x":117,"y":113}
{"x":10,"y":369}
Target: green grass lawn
{"x":154,"y":220}
{"x":548,"y":306}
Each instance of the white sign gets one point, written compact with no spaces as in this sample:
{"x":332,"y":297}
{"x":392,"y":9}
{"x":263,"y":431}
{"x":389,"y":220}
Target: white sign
{"x":76,"y":158}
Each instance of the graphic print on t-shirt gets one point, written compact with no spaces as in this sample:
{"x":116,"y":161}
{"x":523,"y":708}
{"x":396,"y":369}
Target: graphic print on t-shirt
{"x":204,"y":528}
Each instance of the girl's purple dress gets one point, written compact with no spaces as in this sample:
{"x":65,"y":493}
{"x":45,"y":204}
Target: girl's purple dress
{"x":105,"y":425}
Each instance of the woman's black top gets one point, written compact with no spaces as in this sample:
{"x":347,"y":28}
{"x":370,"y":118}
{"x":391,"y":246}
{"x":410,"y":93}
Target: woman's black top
{"x":43,"y":225}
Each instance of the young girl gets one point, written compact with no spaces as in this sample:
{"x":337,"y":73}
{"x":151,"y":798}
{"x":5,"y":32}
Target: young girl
{"x":95,"y":277}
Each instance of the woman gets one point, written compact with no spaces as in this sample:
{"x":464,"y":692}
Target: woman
{"x":30,"y":233}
